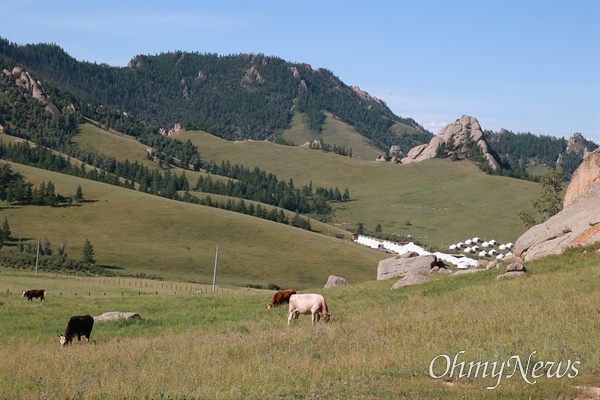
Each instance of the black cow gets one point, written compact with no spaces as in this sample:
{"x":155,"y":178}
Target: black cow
{"x":78,"y":325}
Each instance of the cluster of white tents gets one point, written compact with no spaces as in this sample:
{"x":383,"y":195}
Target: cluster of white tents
{"x":462,"y":262}
{"x":483,"y":249}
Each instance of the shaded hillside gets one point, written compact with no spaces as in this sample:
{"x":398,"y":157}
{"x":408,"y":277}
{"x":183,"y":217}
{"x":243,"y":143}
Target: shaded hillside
{"x":235,"y":97}
{"x":526,"y":150}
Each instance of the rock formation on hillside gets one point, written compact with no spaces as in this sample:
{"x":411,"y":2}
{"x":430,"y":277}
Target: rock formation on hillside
{"x":335,"y":281}
{"x":401,"y":266}
{"x":173,"y":131}
{"x":24,"y":79}
{"x":115,"y":315}
{"x":456,"y":135}
{"x":583,"y":177}
{"x":575,"y":141}
{"x":364,"y":95}
{"x":578,"y":224}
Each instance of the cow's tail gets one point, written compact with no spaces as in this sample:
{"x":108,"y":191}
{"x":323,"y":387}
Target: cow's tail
{"x":324,"y":306}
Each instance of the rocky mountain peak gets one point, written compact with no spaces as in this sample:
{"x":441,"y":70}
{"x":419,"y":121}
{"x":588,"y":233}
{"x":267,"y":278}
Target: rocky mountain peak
{"x":135,"y":62}
{"x":457,"y":135}
{"x":576,"y":142}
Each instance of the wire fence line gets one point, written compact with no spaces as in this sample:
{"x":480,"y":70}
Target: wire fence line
{"x":145,"y":287}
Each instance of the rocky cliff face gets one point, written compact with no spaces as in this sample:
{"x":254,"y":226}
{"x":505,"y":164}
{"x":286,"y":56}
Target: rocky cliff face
{"x":583,"y":177}
{"x":24,"y":79}
{"x":578,"y":224}
{"x":456,"y":135}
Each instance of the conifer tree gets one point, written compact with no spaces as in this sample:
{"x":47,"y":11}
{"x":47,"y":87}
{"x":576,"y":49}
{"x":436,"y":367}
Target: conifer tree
{"x":79,"y":194}
{"x":88,"y":252}
{"x":549,"y":203}
{"x":5,"y":230}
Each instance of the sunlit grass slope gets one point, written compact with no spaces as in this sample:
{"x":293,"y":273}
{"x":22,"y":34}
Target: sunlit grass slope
{"x":379,"y":344}
{"x":111,"y":143}
{"x":176,"y":240}
{"x":334,"y":132}
{"x":442,"y":201}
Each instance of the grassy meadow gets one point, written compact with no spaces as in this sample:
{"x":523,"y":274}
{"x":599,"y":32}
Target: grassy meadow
{"x":333,"y":132}
{"x":438,"y":201}
{"x":379,"y":344}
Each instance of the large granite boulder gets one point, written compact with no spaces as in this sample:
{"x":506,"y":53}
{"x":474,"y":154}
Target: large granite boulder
{"x":578,"y":224}
{"x":400,"y":266}
{"x":584,"y":176}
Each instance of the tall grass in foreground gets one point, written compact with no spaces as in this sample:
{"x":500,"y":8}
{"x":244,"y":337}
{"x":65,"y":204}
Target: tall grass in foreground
{"x":379,"y":344}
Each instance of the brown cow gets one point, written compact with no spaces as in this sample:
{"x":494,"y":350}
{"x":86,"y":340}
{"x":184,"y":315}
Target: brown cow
{"x":281,"y":297}
{"x":30,"y":294}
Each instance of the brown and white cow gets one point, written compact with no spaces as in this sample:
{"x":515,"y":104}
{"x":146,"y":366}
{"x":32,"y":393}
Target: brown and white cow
{"x":80,"y":325}
{"x":30,"y":294}
{"x":313,"y":304}
{"x":281,"y":297}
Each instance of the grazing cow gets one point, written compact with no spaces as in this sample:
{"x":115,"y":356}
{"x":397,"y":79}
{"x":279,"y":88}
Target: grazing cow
{"x":283,"y":296}
{"x":30,"y":294}
{"x":78,"y":325}
{"x":313,"y":304}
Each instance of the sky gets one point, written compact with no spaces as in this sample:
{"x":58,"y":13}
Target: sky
{"x":522,"y":65}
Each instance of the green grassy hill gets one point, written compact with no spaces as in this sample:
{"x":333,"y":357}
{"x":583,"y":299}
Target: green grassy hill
{"x":438,"y":202}
{"x":334,"y":132}
{"x":149,"y":235}
{"x":443,"y":201}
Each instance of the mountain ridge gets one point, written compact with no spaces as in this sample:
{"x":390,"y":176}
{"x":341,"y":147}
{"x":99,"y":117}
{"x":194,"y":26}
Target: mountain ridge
{"x":246,"y":96}
{"x":253,"y":96}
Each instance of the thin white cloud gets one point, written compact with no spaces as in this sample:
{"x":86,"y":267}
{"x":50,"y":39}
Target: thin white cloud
{"x":434,"y":126}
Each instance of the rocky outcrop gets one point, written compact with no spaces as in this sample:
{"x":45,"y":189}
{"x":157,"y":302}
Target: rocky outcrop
{"x":583,"y":177}
{"x":515,"y":267}
{"x":173,"y":131}
{"x":115,"y":315}
{"x":366,"y":96}
{"x":24,"y":79}
{"x":578,"y":224}
{"x":335,"y":281}
{"x":252,"y":77}
{"x":458,"y":136}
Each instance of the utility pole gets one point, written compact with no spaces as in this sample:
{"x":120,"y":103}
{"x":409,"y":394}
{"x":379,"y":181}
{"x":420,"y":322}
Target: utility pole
{"x":37,"y":257}
{"x":215,"y":273}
